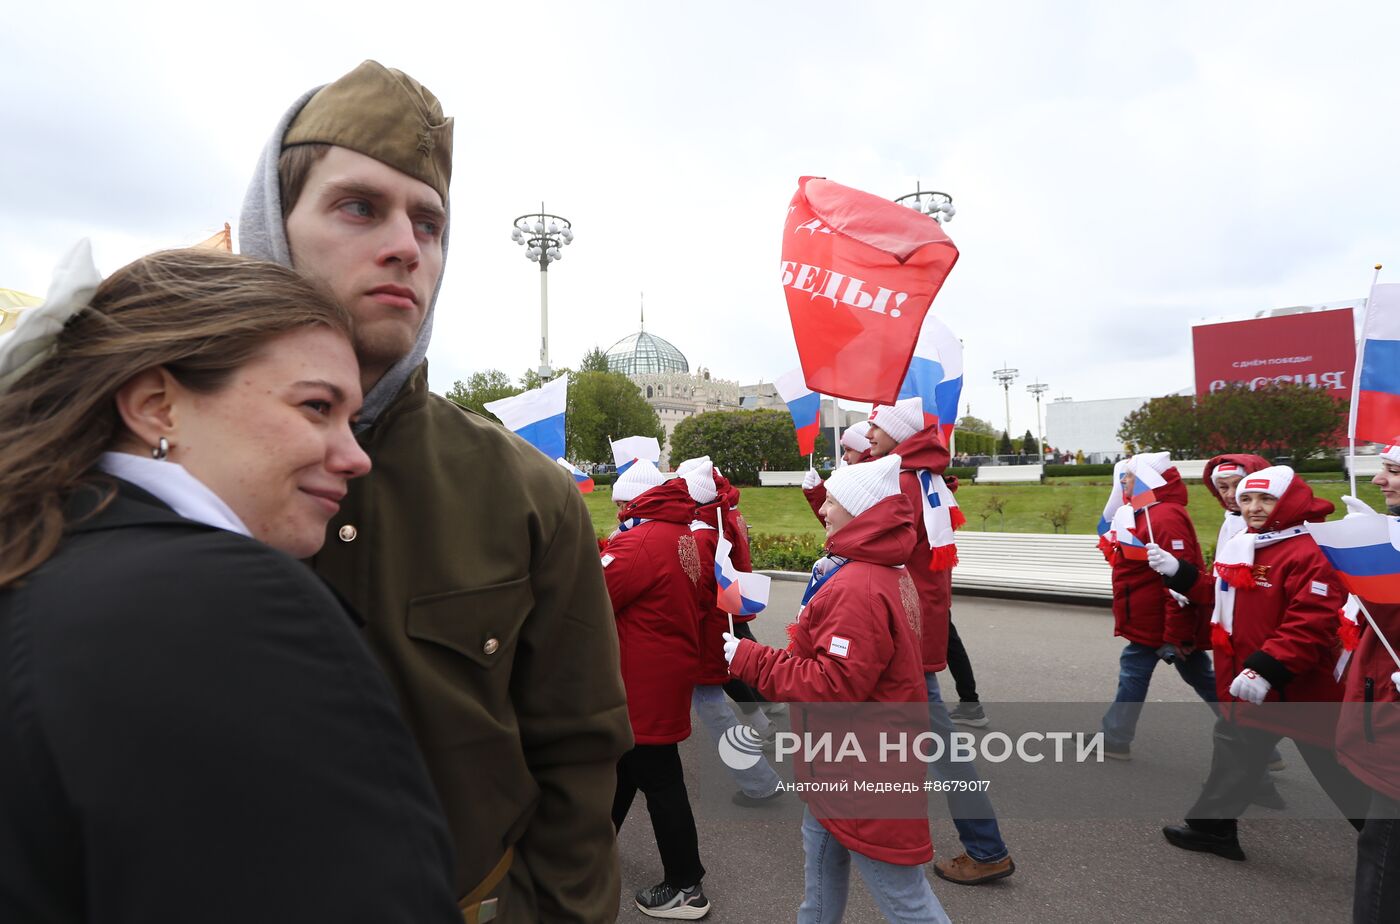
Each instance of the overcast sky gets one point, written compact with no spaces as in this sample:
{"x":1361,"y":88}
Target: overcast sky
{"x":1120,"y":169}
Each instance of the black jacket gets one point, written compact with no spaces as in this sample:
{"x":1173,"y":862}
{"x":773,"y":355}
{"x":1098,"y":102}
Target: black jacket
{"x":191,"y":729}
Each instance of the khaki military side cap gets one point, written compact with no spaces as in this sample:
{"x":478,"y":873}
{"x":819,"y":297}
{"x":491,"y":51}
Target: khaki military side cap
{"x":385,"y":114}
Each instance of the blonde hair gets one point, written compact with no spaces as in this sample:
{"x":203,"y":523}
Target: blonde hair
{"x":199,"y":314}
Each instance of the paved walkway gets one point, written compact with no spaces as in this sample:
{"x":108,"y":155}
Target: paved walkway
{"x":1110,"y":869}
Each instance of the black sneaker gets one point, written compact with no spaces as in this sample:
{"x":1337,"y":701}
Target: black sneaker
{"x":1188,"y":838}
{"x":667,"y":901}
{"x":970,"y":714}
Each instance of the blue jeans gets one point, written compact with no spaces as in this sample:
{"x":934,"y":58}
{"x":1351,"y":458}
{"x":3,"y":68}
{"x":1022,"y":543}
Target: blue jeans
{"x":902,"y":892}
{"x":1135,"y":667}
{"x":972,"y":812}
{"x":713,"y":709}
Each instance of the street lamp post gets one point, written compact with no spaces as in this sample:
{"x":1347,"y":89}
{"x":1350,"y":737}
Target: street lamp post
{"x":544,"y":237}
{"x":934,"y":204}
{"x":1038,"y":389}
{"x":1005,"y":376}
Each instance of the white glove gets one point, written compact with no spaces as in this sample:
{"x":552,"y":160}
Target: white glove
{"x":731,"y":645}
{"x":1395,"y":679}
{"x":1250,"y":687}
{"x":1159,"y":561}
{"x":811,"y":479}
{"x":1357,"y":508}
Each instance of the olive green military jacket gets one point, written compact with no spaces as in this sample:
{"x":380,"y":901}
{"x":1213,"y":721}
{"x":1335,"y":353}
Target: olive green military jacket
{"x":472,"y":558}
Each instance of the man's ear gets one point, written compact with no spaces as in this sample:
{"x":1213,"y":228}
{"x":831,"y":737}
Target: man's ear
{"x":146,"y":404}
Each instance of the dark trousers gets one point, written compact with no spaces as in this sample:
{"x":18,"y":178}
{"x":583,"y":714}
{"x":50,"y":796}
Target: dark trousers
{"x":1239,"y":761}
{"x":655,"y":769}
{"x":1377,"y":896}
{"x":960,"y":666}
{"x":744,"y":696}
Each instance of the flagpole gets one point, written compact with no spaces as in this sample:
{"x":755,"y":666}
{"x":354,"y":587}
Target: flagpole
{"x":1355,"y":390}
{"x":1377,"y":629}
{"x":835,"y":431}
{"x":1147,"y":512}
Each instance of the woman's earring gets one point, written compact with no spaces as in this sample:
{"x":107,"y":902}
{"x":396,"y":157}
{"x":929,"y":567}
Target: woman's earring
{"x":162,"y":450}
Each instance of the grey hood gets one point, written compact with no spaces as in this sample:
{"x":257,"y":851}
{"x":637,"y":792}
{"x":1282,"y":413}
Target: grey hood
{"x":261,"y":234}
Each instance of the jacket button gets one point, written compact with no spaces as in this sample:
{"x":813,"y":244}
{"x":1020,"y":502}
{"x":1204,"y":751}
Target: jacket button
{"x":348,"y":533}
{"x":491,"y":646}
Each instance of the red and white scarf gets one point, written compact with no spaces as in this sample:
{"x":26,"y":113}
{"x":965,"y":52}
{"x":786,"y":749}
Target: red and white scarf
{"x":942,"y":516}
{"x":1234,"y":568}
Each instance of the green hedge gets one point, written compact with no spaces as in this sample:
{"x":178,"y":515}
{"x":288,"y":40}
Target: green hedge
{"x":784,"y":553}
{"x":1069,"y":471}
{"x":603,"y":479}
{"x":963,"y":473}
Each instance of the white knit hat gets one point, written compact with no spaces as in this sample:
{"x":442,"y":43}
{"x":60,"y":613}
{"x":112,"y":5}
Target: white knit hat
{"x":1227,"y":470}
{"x":642,"y":476}
{"x":699,"y":475}
{"x":901,"y":420}
{"x":1391,"y":454}
{"x":862,"y":486}
{"x":855,"y":436}
{"x":1271,"y":481}
{"x":1159,"y":462}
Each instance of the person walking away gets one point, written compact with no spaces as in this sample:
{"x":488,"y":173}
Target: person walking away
{"x":653,"y":571}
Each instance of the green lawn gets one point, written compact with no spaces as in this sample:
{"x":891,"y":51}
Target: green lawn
{"x":785,"y":511}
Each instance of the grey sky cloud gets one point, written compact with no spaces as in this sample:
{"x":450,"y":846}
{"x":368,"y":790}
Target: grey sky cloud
{"x":1115,"y":165}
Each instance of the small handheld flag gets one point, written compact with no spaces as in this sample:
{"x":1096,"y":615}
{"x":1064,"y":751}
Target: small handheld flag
{"x":1365,"y":553}
{"x":805,"y":406}
{"x":1375,"y":402}
{"x":631,"y":448}
{"x":1146,"y":481}
{"x":1131,"y":547}
{"x":738,"y":593}
{"x":935,"y":375}
{"x":581,"y":478}
{"x":537,"y":416}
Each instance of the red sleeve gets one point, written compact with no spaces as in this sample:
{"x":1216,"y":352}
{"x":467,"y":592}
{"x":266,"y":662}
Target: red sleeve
{"x":1306,"y":636}
{"x":815,"y":498}
{"x":1174,"y":533}
{"x":840,"y":613}
{"x":626,"y":568}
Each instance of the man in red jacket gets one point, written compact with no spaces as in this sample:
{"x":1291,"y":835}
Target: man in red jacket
{"x":758,"y":785}
{"x":855,"y":641}
{"x":900,"y":430}
{"x":1368,"y":736}
{"x":652,"y":567}
{"x":1158,"y":625}
{"x":1276,"y":642}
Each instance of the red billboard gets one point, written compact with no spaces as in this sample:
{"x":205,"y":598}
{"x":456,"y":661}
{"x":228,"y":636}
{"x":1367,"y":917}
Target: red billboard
{"x":1316,"y":348}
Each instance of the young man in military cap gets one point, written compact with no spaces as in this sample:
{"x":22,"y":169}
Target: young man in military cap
{"x":470,"y":555}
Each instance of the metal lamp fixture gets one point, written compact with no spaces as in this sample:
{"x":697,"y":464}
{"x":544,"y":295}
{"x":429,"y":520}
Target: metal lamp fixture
{"x":930,"y":202}
{"x":544,"y":237}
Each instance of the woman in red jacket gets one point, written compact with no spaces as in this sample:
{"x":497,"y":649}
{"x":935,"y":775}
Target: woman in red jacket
{"x":1157,"y":625}
{"x":652,"y":567}
{"x":1368,"y":738}
{"x":1275,"y":637}
{"x":856,"y":640}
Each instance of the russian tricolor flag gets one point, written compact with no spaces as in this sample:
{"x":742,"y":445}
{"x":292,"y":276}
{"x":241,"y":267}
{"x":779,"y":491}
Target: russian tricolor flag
{"x":1129,"y":545}
{"x":738,"y":593}
{"x":1375,"y":403}
{"x":805,"y":406}
{"x":935,"y":375}
{"x":581,"y":478}
{"x":1365,"y":553}
{"x":537,"y":416}
{"x":1146,"y":481}
{"x":631,"y":448}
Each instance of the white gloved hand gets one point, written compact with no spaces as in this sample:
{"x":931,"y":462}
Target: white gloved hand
{"x":811,"y":479}
{"x":1357,"y":507}
{"x":1250,"y":687}
{"x":731,"y":645}
{"x":1395,"y":679}
{"x":1159,"y":561}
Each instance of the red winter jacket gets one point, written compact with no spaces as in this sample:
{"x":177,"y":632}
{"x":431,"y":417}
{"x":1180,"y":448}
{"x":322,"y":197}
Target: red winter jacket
{"x":926,"y":450}
{"x":1144,"y":610}
{"x":1285,"y":628}
{"x":1368,"y":734}
{"x":714,"y":622}
{"x":856,"y":642}
{"x":652,"y":571}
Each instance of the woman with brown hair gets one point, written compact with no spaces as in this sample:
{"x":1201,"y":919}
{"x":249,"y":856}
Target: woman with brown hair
{"x":190,"y":726}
